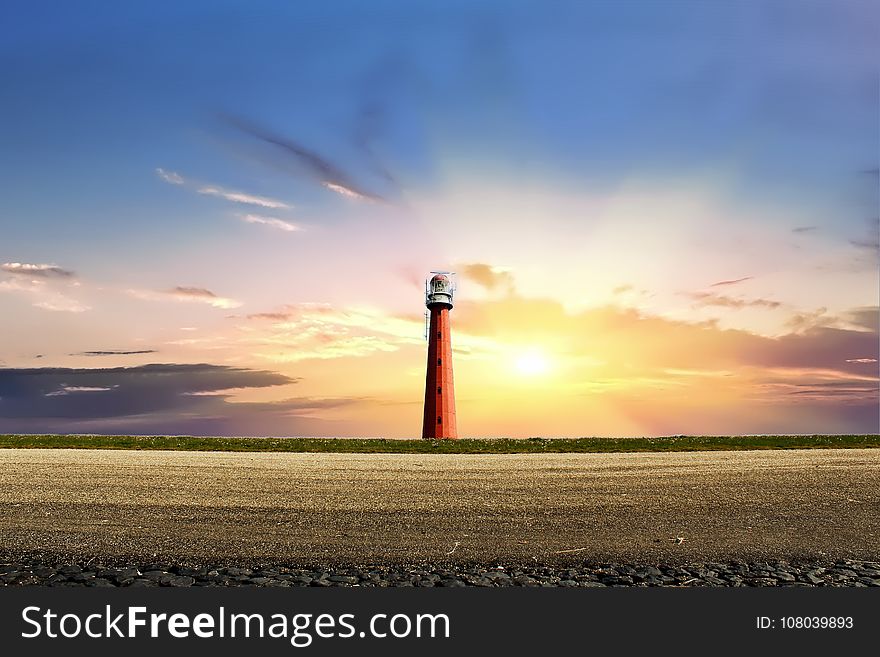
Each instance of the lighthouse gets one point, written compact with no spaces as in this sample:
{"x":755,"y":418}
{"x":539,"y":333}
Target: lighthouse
{"x":439,"y":419}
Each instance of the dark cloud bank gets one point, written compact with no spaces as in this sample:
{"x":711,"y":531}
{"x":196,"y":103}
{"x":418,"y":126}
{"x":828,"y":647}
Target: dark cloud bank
{"x":151,"y":399}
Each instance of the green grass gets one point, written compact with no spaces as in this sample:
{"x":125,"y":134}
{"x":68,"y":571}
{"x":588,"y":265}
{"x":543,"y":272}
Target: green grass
{"x":463,"y":446}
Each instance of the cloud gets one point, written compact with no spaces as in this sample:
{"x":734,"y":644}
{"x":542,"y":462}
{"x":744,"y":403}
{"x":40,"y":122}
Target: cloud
{"x":632,"y":343}
{"x":863,"y":361}
{"x":157,"y":399}
{"x":36,"y":271}
{"x":349,"y":192}
{"x":273,"y":222}
{"x":170,"y":176}
{"x":319,"y":331}
{"x":275,"y":317}
{"x":215,"y":190}
{"x":115,"y":352}
{"x":732,"y":282}
{"x":66,"y":390}
{"x":123,"y":391}
{"x":622,"y":289}
{"x":62,"y":304}
{"x":806,"y":320}
{"x":804,"y":229}
{"x":488,"y":276}
{"x":711,"y":299}
{"x":185,"y":294}
{"x":368,"y":128}
{"x":327,"y":174}
{"x":241,"y":197}
{"x":46,"y":293}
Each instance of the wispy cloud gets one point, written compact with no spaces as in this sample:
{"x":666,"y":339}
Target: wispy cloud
{"x":170,"y":176}
{"x":36,"y":271}
{"x":720,"y":300}
{"x":114,"y":352}
{"x":346,"y":191}
{"x":66,"y":390}
{"x":185,"y":294}
{"x":326,"y":173}
{"x":804,"y":229}
{"x":47,"y":285}
{"x":733,"y":281}
{"x":273,"y":222}
{"x":275,"y":317}
{"x":62,"y":304}
{"x":241,"y":197}
{"x":174,"y":178}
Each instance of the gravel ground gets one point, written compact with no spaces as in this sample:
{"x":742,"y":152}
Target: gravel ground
{"x":336,"y":510}
{"x":778,"y":573}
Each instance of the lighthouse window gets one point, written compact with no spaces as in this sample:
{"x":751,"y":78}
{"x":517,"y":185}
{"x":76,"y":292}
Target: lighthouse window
{"x":439,"y":361}
{"x":438,"y":334}
{"x":439,"y":420}
{"x":439,"y":389}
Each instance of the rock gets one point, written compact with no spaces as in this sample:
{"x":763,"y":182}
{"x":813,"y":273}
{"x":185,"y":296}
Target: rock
{"x":179,"y":581}
{"x":812,"y":578}
{"x":261,"y":581}
{"x":237,"y":572}
{"x":155,"y":575}
{"x":778,"y":573}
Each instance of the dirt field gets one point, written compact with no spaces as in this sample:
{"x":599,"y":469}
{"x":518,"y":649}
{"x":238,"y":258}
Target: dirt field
{"x":408,"y":508}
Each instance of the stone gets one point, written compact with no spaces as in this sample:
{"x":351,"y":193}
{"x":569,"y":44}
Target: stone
{"x":261,"y":581}
{"x":179,"y":581}
{"x":155,"y":575}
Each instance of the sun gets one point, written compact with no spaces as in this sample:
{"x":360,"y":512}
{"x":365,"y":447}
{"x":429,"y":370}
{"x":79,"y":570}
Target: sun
{"x":532,"y":363}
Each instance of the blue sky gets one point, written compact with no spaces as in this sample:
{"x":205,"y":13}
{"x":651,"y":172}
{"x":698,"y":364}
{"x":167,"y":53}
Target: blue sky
{"x":685,"y":142}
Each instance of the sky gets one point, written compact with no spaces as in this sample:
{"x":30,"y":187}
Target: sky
{"x":216,"y":218}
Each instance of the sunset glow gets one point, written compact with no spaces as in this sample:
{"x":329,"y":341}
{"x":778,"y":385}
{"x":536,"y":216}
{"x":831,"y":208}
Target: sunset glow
{"x":532,"y":363}
{"x":656,"y":230}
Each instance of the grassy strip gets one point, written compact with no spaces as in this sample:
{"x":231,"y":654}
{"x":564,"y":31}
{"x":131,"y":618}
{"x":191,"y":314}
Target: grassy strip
{"x":463,"y":446}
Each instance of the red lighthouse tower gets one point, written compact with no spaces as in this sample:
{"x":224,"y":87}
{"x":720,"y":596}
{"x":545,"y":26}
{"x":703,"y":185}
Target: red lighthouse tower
{"x":439,"y":420}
